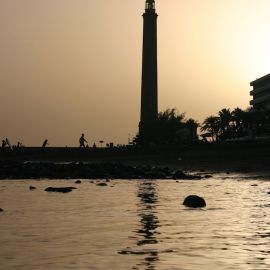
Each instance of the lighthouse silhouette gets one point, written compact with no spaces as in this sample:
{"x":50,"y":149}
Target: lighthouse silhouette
{"x":149,"y":86}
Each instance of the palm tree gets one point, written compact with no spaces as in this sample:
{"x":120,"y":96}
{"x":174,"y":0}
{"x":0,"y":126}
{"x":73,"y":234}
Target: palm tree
{"x":238,"y":117}
{"x":225,"y":119}
{"x":212,"y":125}
{"x":192,"y":126}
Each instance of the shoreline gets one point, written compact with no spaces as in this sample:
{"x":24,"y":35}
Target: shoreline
{"x":38,"y":170}
{"x":210,"y":158}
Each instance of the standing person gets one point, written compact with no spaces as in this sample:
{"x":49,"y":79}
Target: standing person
{"x":19,"y":144}
{"x":4,"y":143}
{"x":45,"y":143}
{"x":82,"y":140}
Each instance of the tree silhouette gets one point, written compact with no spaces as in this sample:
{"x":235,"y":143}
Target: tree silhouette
{"x":225,"y":120}
{"x":237,"y":123}
{"x":169,"y":128}
{"x":212,"y":125}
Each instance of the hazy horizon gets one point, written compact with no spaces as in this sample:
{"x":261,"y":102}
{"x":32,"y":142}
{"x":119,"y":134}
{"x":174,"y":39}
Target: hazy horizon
{"x":70,"y":67}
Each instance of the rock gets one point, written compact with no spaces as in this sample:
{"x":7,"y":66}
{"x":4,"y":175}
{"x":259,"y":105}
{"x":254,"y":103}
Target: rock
{"x":102,"y":184}
{"x":1,"y":210}
{"x":208,"y":176}
{"x":179,"y":175}
{"x":79,"y":170}
{"x":78,"y":182}
{"x":61,"y":189}
{"x":108,"y":180}
{"x":166,"y":171}
{"x":32,"y":188}
{"x":194,"y":201}
{"x":254,"y":185}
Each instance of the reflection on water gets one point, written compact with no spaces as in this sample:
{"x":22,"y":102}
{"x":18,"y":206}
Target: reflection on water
{"x":146,"y":234}
{"x":149,"y":222}
{"x":136,"y":225}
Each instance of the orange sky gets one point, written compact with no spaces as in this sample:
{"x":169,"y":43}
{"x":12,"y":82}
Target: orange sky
{"x":73,"y":66}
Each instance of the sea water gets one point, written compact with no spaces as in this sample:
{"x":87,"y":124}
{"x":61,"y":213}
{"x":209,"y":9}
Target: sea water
{"x":136,"y":224}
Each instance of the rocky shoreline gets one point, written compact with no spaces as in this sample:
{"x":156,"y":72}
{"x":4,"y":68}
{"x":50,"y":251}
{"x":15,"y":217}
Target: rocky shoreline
{"x":222,"y":157}
{"x":42,"y":170}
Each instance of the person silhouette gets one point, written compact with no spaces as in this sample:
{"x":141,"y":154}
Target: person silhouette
{"x":19,"y":144}
{"x":82,"y":141}
{"x":45,"y":143}
{"x":4,"y":143}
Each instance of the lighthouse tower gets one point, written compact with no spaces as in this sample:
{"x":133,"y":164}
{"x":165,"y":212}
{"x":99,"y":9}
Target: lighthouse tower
{"x":149,"y":86}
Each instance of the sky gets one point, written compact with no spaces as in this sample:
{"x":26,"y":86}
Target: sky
{"x":74,"y":66}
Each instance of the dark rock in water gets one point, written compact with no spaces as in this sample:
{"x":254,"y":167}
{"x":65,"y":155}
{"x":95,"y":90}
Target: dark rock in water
{"x":108,"y":180}
{"x":254,"y":185}
{"x":61,"y":189}
{"x":208,"y":176}
{"x":102,"y":184}
{"x":78,"y":182}
{"x":179,"y":175}
{"x":166,"y":170}
{"x":32,"y":188}
{"x":194,"y":201}
{"x":1,"y":210}
{"x":91,"y":182}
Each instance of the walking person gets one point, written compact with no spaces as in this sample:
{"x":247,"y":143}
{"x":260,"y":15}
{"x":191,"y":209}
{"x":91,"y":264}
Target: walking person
{"x":82,"y":141}
{"x":45,"y":143}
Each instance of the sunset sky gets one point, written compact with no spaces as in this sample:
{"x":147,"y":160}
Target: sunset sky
{"x":73,"y":66}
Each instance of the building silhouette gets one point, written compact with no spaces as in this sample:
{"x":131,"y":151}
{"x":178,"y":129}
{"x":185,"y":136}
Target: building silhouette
{"x":261,"y":93}
{"x":149,"y":86}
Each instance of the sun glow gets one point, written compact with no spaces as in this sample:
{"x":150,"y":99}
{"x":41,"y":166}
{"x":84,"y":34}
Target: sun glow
{"x":258,"y":50}
{"x":246,"y":39}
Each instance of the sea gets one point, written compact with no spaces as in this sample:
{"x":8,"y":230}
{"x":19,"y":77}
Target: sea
{"x":136,"y":224}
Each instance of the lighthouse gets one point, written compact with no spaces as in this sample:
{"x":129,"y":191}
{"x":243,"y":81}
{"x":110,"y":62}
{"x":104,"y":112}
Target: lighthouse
{"x":149,"y":84}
